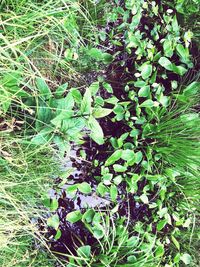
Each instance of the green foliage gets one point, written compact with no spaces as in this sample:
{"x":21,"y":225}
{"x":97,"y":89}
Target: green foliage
{"x":177,"y":133}
{"x":24,"y":177}
{"x":60,"y":119}
{"x":151,"y":161}
{"x":74,"y":216}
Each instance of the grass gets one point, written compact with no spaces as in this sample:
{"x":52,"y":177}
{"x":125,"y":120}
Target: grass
{"x":118,"y":244}
{"x":60,"y":42}
{"x":35,"y":35}
{"x":177,"y":140}
{"x":24,"y":179}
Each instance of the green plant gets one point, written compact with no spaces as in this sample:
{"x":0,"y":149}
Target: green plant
{"x":176,"y":135}
{"x":116,"y":245}
{"x":24,"y":177}
{"x":50,"y":98}
{"x":188,"y":12}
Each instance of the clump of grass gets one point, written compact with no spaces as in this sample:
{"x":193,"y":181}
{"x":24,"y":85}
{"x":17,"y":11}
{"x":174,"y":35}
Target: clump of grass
{"x":26,"y":175}
{"x":176,"y":139}
{"x":36,"y":34}
{"x":177,"y":133}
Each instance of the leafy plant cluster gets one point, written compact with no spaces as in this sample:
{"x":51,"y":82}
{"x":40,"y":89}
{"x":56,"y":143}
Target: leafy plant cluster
{"x":142,"y":122}
{"x":159,"y":142}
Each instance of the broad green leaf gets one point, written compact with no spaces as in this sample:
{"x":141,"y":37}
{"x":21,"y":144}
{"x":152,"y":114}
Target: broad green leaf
{"x":168,"y":65}
{"x":61,"y":90}
{"x":102,"y":35}
{"x":176,"y":243}
{"x":74,"y":216}
{"x":43,"y":88}
{"x":62,"y":144}
{"x":63,"y":110}
{"x":175,"y":25}
{"x":162,"y":212}
{"x":160,"y":251}
{"x":86,"y":103}
{"x":146,"y":71}
{"x":84,"y":188}
{"x":95,"y":53}
{"x":71,"y":265}
{"x":131,"y":259}
{"x":68,"y":54}
{"x":101,"y":189}
{"x":132,"y":241}
{"x":108,"y":87}
{"x":157,"y":56}
{"x":44,"y":115}
{"x":54,"y":204}
{"x":112,"y":100}
{"x":18,"y":92}
{"x":187,"y":223}
{"x":153,"y":77}
{"x":84,"y":252}
{"x":107,"y":178}
{"x":190,"y":119}
{"x":139,"y":83}
{"x":113,"y":192}
{"x":182,"y":51}
{"x":88,"y":216}
{"x":161,"y":224}
{"x":179,"y":69}
{"x":133,"y":42}
{"x":72,"y":189}
{"x":101,"y":112}
{"x":107,"y":58}
{"x":58,"y":120}
{"x":11,"y":79}
{"x":134,"y":133}
{"x":96,"y":130}
{"x":186,"y":258}
{"x":97,"y":219}
{"x":118,"y":109}
{"x":165,"y":63}
{"x":10,"y":84}
{"x":76,"y":95}
{"x":188,"y":37}
{"x":47,"y":202}
{"x":192,"y":89}
{"x":144,"y":199}
{"x":99,"y":101}
{"x":73,"y":126}
{"x":129,"y":156}
{"x":164,"y":100}
{"x":118,"y":179}
{"x":177,"y":258}
{"x":43,"y":137}
{"x":119,"y":168}
{"x":113,"y":158}
{"x":98,"y":233}
{"x":53,"y":221}
{"x":167,"y":46}
{"x":58,"y":234}
{"x":94,"y":87}
{"x":137,"y":17}
{"x":147,"y":104}
{"x":5,"y":100}
{"x":144,"y":91}
{"x":115,"y":209}
{"x":138,"y":157}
